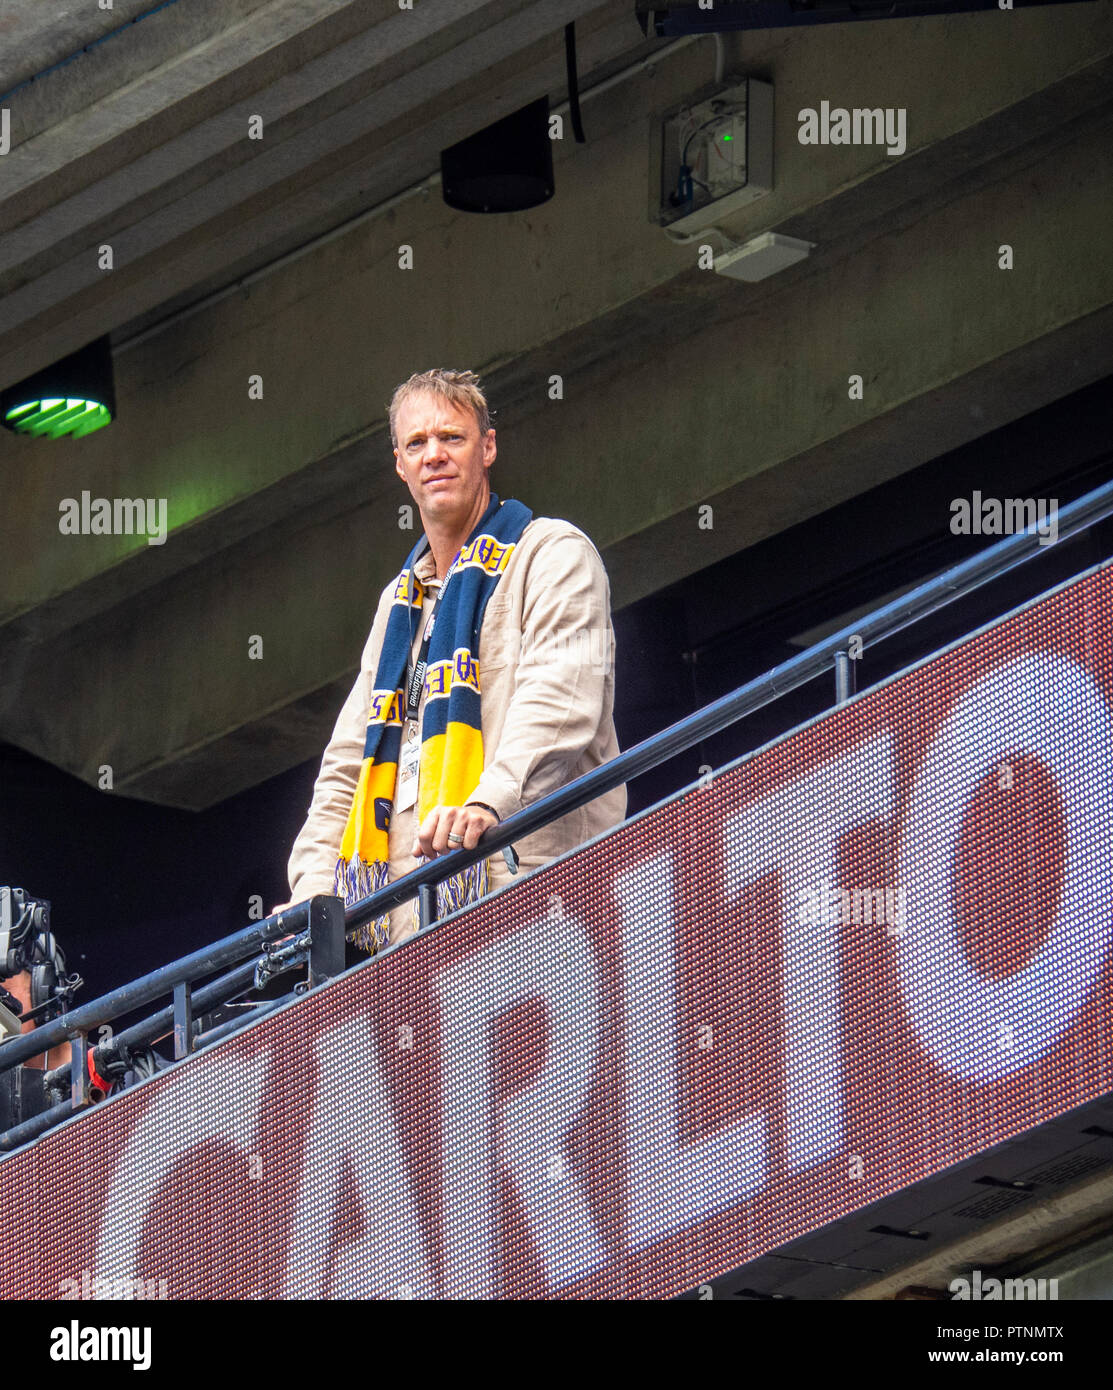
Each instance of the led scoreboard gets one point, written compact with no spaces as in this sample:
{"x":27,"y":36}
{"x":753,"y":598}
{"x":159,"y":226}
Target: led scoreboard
{"x":858,"y":956}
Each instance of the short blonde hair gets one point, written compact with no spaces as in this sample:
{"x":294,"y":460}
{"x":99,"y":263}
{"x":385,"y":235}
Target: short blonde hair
{"x":460,"y":388}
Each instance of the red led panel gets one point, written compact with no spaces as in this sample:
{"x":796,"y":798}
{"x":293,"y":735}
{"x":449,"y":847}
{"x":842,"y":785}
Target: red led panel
{"x":864,"y":954}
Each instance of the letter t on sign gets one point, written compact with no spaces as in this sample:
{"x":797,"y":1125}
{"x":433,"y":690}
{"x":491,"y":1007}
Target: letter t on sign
{"x":794,"y":831}
{"x":671,"y":1183}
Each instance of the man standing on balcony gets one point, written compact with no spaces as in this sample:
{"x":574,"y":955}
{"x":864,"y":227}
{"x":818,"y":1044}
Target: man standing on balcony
{"x":486,"y":683}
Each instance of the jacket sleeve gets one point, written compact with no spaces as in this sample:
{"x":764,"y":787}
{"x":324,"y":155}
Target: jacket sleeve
{"x":313,"y":859}
{"x":563,"y":686}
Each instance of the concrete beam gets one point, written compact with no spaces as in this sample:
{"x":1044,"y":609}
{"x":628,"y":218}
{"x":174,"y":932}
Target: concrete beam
{"x":155,"y":162}
{"x":35,"y":37}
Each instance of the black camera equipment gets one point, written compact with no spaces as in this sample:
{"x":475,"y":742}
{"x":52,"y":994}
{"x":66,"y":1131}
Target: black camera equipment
{"x":27,"y":943}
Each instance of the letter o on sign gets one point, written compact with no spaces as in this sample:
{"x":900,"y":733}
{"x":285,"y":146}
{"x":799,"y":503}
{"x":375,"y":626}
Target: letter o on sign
{"x":1048,"y":707}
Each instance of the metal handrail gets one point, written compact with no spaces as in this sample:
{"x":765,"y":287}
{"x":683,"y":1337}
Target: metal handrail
{"x":246,"y":942}
{"x":921,"y":602}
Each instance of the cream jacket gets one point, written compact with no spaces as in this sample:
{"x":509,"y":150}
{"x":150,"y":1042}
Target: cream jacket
{"x":546,"y":674}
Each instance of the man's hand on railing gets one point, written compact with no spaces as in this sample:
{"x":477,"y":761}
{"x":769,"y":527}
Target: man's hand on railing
{"x":465,"y":824}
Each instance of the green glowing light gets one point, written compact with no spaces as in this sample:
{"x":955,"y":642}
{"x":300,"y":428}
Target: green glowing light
{"x":53,"y":417}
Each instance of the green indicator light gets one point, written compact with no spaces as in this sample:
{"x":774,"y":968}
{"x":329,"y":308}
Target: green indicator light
{"x":53,"y":417}
{"x":728,"y":137}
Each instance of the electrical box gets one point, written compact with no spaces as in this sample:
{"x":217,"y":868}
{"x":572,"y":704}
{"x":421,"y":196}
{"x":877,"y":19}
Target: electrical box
{"x":712,"y":155}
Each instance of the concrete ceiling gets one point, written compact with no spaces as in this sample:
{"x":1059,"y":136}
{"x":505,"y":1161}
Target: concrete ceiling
{"x":141,"y":140}
{"x":278,"y":257}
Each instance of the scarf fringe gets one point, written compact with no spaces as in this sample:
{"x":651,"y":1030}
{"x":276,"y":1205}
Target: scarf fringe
{"x":456,"y":892}
{"x":462,"y":888}
{"x":356,"y":880}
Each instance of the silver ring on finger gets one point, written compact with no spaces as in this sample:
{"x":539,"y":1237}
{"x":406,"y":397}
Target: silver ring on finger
{"x":456,"y":839}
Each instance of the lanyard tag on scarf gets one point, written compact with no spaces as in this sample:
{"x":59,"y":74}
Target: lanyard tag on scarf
{"x":405,"y":792}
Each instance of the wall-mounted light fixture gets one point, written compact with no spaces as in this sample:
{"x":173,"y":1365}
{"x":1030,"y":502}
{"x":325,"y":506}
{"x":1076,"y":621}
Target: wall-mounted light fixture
{"x":74,"y":396}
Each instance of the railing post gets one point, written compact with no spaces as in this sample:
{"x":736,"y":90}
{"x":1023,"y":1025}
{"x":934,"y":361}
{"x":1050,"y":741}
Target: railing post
{"x":844,"y":677}
{"x":183,"y":1020}
{"x":79,"y":1071}
{"x":427,"y":905}
{"x":326,"y":939}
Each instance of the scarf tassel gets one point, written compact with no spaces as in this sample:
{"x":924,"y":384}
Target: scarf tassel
{"x":356,"y":880}
{"x":462,"y":888}
{"x":456,"y":892}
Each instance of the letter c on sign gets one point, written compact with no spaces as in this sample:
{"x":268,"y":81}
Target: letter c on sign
{"x":1048,"y":707}
{"x":213,"y":1100}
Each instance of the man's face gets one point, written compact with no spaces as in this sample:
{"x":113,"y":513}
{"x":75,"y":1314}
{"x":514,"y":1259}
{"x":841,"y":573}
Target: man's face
{"x":442,"y":458}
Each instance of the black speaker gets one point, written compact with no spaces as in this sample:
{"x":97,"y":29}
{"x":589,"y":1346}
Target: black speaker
{"x":507,"y":167}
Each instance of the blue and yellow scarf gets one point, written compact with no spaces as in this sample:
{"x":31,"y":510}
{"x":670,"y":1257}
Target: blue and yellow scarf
{"x":451,"y":731}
